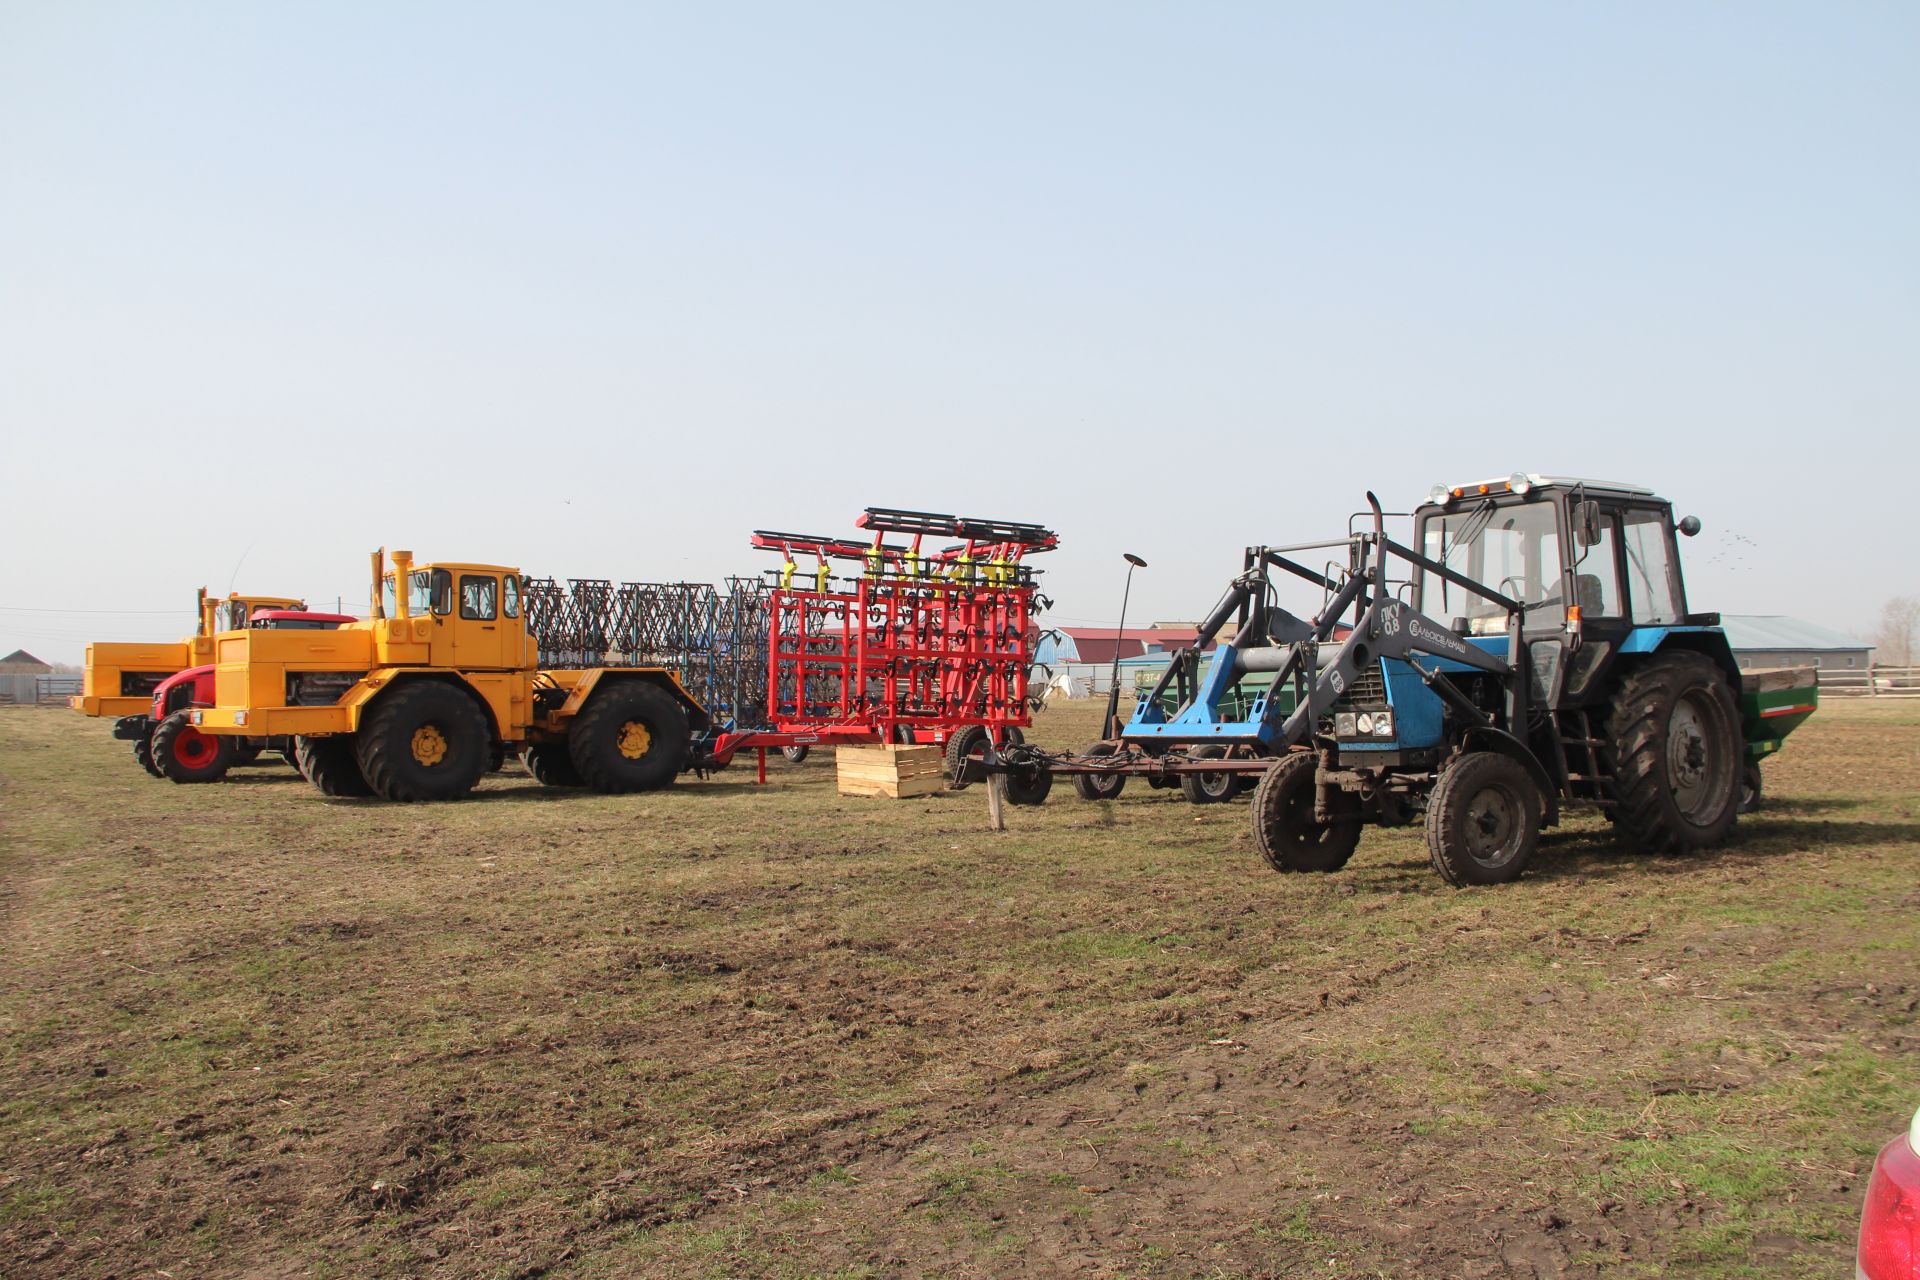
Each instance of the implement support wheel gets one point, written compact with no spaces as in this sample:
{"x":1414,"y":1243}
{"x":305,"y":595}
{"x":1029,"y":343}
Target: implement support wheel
{"x":632,"y":736}
{"x":1483,"y":820}
{"x":1209,"y":788}
{"x":1284,"y":826}
{"x":424,"y":740}
{"x":1100,"y":786}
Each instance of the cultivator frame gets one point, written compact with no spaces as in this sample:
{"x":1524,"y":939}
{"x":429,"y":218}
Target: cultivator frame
{"x":916,"y":643}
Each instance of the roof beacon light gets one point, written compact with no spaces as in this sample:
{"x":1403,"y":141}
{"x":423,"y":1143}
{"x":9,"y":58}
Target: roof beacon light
{"x":1519,"y":483}
{"x":1439,"y":494}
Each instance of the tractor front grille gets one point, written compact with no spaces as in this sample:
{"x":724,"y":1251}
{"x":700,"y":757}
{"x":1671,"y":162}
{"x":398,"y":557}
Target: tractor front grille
{"x":1368,"y":692}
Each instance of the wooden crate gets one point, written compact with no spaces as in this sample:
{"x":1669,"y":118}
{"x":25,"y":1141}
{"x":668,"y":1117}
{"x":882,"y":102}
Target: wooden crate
{"x":897,"y":773}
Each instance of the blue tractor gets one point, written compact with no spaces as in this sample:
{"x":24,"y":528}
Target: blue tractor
{"x":1534,"y":648}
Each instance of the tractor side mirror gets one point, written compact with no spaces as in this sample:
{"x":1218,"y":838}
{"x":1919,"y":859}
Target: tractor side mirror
{"x":1690,"y":526}
{"x":1586,"y":523}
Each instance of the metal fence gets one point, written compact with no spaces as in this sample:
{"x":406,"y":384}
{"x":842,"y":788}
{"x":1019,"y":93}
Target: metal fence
{"x":35,"y":690}
{"x":1870,"y":682}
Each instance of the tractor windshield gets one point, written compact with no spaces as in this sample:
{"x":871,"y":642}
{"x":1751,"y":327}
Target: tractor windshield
{"x":1514,"y":550}
{"x":231,"y":615}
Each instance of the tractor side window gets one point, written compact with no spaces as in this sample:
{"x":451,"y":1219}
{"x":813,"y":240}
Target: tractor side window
{"x":386,"y":596}
{"x":510,"y":595}
{"x":442,"y":592}
{"x":1650,"y":569}
{"x":478,"y":597}
{"x":230,"y":616}
{"x":1596,"y":574}
{"x":419,"y":592}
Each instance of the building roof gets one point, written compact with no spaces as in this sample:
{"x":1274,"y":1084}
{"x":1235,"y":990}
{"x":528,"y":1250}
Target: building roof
{"x":1751,"y":631}
{"x":21,"y":658}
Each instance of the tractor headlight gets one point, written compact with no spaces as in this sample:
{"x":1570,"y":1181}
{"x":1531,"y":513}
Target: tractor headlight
{"x":1382,"y":724}
{"x":1519,"y":483}
{"x":195,"y":716}
{"x":1343,"y":725}
{"x":1439,"y":494}
{"x":1363,"y":723}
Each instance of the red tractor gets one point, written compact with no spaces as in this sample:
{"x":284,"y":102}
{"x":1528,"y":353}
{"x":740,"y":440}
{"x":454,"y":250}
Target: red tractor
{"x":168,"y":746}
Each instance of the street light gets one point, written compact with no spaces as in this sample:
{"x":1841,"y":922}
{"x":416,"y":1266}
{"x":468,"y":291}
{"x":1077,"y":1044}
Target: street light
{"x":1113,"y":681}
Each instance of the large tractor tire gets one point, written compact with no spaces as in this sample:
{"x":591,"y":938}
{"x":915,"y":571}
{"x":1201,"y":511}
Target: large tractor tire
{"x":1209,"y":788}
{"x":1290,"y":837}
{"x":1677,"y":754}
{"x":1483,"y":820}
{"x":424,"y":740}
{"x":143,"y":752}
{"x":332,"y":766}
{"x":631,"y":736}
{"x":1100,"y":786}
{"x":181,"y":753}
{"x":551,"y":766}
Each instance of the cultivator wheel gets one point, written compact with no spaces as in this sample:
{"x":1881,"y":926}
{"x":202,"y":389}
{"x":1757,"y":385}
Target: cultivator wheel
{"x":551,"y":766}
{"x":796,"y":753}
{"x":332,"y":766}
{"x":1483,"y":820}
{"x":1100,"y":786}
{"x":632,"y":736}
{"x":1675,"y":752}
{"x":1209,"y":788}
{"x":184,"y":754}
{"x":1751,"y":791}
{"x":143,"y":752}
{"x":1290,"y":837}
{"x":1028,"y":784}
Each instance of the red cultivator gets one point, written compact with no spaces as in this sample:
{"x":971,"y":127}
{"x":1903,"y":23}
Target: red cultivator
{"x":909,"y":643}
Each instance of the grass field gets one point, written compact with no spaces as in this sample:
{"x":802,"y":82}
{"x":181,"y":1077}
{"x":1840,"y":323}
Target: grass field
{"x":726,"y":1030}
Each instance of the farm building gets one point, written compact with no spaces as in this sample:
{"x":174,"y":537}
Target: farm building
{"x":19,"y":674}
{"x":1772,"y":640}
{"x":1101,"y":644}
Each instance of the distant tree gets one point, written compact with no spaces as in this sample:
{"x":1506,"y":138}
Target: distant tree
{"x":1899,"y":633}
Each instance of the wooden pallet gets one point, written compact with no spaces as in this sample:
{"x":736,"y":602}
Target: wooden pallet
{"x":895,"y":773}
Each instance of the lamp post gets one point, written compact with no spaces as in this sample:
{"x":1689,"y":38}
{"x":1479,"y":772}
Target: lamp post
{"x":1113,"y":681}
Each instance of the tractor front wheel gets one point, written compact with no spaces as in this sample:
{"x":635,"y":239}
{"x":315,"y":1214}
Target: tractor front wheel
{"x":1290,"y":836}
{"x":424,"y":740}
{"x":1676,"y":752}
{"x":631,"y":736}
{"x":1483,"y":820}
{"x":184,"y":754}
{"x":332,"y":766}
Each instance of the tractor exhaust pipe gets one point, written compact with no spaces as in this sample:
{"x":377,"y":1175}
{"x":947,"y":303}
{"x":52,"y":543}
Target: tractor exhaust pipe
{"x":402,"y":570}
{"x":204,"y":607}
{"x":379,"y":610}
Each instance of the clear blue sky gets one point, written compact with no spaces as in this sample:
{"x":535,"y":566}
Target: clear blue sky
{"x":598,"y":289}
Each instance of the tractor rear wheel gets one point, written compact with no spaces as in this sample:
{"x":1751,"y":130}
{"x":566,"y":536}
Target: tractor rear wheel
{"x":1100,"y":786}
{"x":1209,"y":788}
{"x":1483,"y":820}
{"x":1290,"y":837}
{"x":332,"y":766}
{"x":423,"y":740}
{"x":143,"y":752}
{"x":631,"y":736}
{"x":551,"y":766}
{"x":1676,"y":753}
{"x":184,"y":754}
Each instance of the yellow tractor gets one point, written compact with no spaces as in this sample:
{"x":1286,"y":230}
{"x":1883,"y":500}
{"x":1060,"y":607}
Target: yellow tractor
{"x":419,"y":700}
{"x":120,"y":677}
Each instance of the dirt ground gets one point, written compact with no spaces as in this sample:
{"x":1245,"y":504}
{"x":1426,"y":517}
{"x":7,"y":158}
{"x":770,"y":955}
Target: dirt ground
{"x":726,"y":1030}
